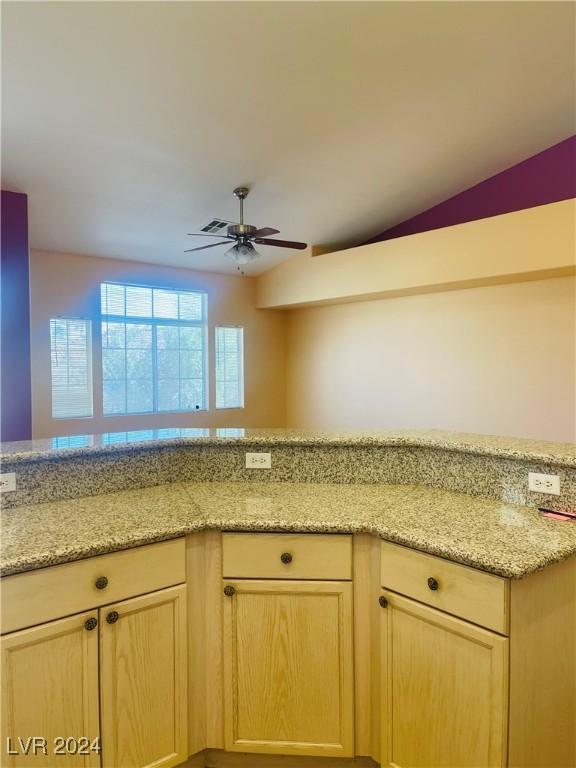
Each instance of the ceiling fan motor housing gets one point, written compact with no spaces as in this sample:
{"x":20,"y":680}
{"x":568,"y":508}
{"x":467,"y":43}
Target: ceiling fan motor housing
{"x":241,"y":230}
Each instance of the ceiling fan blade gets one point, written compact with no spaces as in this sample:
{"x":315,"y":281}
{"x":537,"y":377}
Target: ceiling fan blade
{"x":265,"y":232}
{"x":203,"y":247}
{"x":204,"y":234}
{"x":281,"y":243}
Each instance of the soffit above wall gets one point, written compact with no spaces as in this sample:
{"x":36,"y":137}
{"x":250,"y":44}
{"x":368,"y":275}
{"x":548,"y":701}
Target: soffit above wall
{"x":532,"y":244}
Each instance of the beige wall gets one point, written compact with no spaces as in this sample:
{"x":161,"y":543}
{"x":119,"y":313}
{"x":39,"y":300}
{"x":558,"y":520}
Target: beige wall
{"x":497,"y":360}
{"x":66,"y":284}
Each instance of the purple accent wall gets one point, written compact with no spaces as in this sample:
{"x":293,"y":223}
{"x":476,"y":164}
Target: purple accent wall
{"x":16,"y":402}
{"x":547,"y":177}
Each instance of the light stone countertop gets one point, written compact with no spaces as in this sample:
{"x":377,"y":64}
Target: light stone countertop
{"x":562,"y":454}
{"x":504,"y":539}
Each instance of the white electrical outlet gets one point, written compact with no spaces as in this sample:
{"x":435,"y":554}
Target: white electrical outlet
{"x":544,"y":483}
{"x":7,"y":482}
{"x":258,"y":461}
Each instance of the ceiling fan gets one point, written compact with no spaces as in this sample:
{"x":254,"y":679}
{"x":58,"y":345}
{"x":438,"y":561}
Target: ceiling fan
{"x":242,"y":235}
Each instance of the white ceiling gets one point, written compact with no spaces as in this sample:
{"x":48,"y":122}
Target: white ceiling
{"x":129,"y":123}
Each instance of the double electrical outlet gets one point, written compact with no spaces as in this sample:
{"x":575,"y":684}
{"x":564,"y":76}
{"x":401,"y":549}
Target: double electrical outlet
{"x":7,"y":482}
{"x":258,"y":461}
{"x":544,"y":483}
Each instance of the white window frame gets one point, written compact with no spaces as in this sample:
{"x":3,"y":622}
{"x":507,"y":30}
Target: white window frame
{"x":154,"y":322}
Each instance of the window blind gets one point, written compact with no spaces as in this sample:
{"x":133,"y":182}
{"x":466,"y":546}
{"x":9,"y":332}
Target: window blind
{"x":71,"y":368}
{"x":153,"y":349}
{"x":229,"y":367}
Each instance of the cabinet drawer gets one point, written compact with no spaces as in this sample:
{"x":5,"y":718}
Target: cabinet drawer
{"x":51,"y":593}
{"x":457,"y":589}
{"x":287,"y":556}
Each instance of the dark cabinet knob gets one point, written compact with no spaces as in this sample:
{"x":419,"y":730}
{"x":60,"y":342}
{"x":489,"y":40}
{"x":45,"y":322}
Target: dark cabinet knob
{"x":433,"y":584}
{"x":112,"y":617}
{"x":90,"y":624}
{"x":383,"y":601}
{"x":229,"y":590}
{"x":286,"y":558}
{"x":101,"y":582}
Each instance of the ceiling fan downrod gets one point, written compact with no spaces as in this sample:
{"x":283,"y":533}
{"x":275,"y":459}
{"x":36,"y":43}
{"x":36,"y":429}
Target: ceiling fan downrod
{"x":241,"y":193}
{"x":243,"y":232}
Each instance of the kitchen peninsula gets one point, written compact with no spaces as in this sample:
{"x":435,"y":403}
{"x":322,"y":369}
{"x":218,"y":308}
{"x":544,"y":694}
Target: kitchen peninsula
{"x":333,"y":607}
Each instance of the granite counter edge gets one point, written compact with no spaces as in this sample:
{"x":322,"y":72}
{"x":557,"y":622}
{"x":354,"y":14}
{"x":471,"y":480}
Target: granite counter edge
{"x":23,"y":565}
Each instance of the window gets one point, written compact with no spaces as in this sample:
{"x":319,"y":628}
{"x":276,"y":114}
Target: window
{"x":71,"y":366}
{"x":153,"y":349}
{"x":229,"y":367}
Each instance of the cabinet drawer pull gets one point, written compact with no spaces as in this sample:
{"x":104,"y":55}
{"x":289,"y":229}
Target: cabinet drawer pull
{"x":101,"y":582}
{"x":112,"y":617}
{"x":90,"y":623}
{"x":433,"y":584}
{"x":286,"y":558}
{"x":229,"y":590}
{"x":383,"y":601}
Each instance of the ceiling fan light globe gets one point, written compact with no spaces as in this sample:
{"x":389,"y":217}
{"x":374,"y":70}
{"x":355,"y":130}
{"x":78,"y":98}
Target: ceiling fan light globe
{"x":243,"y":253}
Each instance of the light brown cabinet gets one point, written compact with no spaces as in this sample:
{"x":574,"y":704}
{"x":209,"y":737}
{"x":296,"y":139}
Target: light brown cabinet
{"x":288,"y":668}
{"x":444,"y":689}
{"x":458,"y":668}
{"x":50,"y":690}
{"x":106,"y":687}
{"x":288,"y":656}
{"x":455,"y":693}
{"x":143,"y":670}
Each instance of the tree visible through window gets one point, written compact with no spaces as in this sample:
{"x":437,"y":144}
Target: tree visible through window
{"x":153,"y":349}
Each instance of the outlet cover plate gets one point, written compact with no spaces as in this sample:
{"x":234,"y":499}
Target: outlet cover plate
{"x":540,"y":483}
{"x":7,"y":482}
{"x":258,"y":461}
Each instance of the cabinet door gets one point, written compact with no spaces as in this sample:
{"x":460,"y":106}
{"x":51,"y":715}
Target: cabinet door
{"x":288,"y":667}
{"x":50,"y":691}
{"x":143,"y":672}
{"x":444,"y":690}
